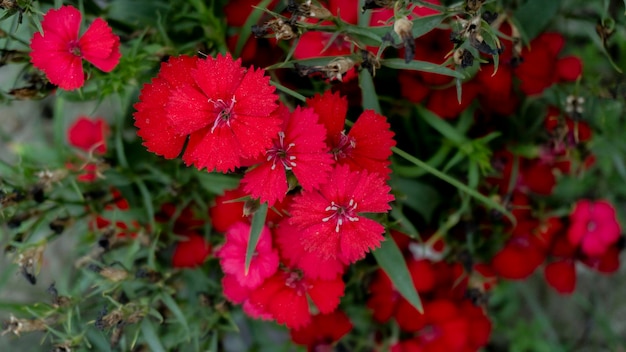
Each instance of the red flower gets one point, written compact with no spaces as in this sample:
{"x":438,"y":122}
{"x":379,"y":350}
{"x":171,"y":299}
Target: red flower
{"x":225,"y":109}
{"x":593,"y":227}
{"x":323,"y":331}
{"x":293,"y":253}
{"x":561,"y":276}
{"x":519,"y":258}
{"x":191,"y":253}
{"x":368,"y":144}
{"x":89,"y":135}
{"x":232,"y":256}
{"x":299,"y":149}
{"x":541,"y":66}
{"x":329,"y":219}
{"x":59,"y":51}
{"x":284,"y":296}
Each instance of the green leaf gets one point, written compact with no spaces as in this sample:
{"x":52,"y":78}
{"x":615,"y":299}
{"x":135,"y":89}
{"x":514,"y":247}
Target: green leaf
{"x":439,"y":124}
{"x":258,"y":221}
{"x":424,"y":66}
{"x":368,"y":91}
{"x":216,"y":183}
{"x":288,"y":91}
{"x":246,"y":30}
{"x":173,"y":307}
{"x":418,"y":196}
{"x":456,"y":183}
{"x":535,"y":15}
{"x":151,"y":337}
{"x":392,"y":262}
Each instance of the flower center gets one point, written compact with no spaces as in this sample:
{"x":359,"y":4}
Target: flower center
{"x":224,"y":112}
{"x":341,"y":213}
{"x":344,"y":147}
{"x":74,"y":48}
{"x":591,"y":226}
{"x":280,"y":153}
{"x":294,"y":280}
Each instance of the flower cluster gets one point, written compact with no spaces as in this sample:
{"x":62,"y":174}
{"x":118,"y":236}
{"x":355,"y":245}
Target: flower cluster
{"x":302,"y":161}
{"x":453,"y":317}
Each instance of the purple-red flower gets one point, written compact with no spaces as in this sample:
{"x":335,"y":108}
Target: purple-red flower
{"x":232,"y":256}
{"x":593,"y":227}
{"x":367,"y":146}
{"x":298,"y":148}
{"x":226,"y":110}
{"x":59,"y":51}
{"x":330,"y":220}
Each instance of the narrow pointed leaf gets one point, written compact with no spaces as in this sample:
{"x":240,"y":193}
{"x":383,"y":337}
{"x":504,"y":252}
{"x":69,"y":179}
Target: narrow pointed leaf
{"x":424,"y":66}
{"x":258,"y":220}
{"x":390,"y":259}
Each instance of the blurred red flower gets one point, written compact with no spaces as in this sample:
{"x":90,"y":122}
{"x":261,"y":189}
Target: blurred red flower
{"x":191,"y":252}
{"x":59,"y":51}
{"x":593,"y":227}
{"x":89,"y":134}
{"x":323,"y":331}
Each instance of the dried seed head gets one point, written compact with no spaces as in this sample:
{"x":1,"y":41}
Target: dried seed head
{"x":402,"y":27}
{"x":18,"y":326}
{"x":370,"y":62}
{"x":308,"y":9}
{"x":377,"y":4}
{"x":473,"y":5}
{"x":338,"y":67}
{"x":30,"y":261}
{"x":114,"y":274}
{"x":463,"y":58}
{"x":281,"y":29}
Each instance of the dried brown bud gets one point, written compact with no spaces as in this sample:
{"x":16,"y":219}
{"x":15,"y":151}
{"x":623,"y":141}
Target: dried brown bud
{"x":18,"y":326}
{"x":463,"y":58}
{"x":377,"y":4}
{"x":282,"y":29}
{"x":370,"y":62}
{"x":308,"y":10}
{"x":114,"y":274}
{"x":30,"y":261}
{"x":403,"y":27}
{"x":473,"y":5}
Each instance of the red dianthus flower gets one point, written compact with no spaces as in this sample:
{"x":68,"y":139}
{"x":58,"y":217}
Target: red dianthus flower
{"x":367,"y":146}
{"x":89,"y":135}
{"x":224,"y":108}
{"x":329,"y":219}
{"x":298,"y":148}
{"x":59,"y":51}
{"x":284,"y":296}
{"x":191,"y":253}
{"x":323,"y":331}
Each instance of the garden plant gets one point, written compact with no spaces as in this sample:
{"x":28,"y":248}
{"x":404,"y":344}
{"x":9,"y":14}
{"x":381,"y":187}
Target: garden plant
{"x":290,"y":175}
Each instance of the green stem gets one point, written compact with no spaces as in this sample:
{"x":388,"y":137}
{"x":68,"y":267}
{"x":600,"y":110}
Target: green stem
{"x":456,"y":183}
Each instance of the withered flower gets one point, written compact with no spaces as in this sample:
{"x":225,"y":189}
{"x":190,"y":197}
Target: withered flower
{"x":30,"y":261}
{"x":18,"y":326}
{"x":113,"y":274}
{"x":333,"y":70}
{"x":473,"y":5}
{"x":281,"y":29}
{"x":370,"y":62}
{"x":574,"y":105}
{"x":377,"y":4}
{"x":463,"y":58}
{"x":308,"y":10}
{"x":402,"y":27}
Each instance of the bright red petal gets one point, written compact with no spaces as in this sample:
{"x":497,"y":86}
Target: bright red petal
{"x":100,"y":46}
{"x":331,"y":109}
{"x":326,"y":294}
